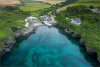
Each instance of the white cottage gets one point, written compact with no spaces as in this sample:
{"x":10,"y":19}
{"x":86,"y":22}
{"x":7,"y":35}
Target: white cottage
{"x":76,"y":20}
{"x":30,"y":19}
{"x":95,"y":10}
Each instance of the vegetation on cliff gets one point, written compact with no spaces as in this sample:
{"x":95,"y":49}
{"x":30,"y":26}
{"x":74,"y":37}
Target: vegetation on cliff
{"x":89,"y":29}
{"x":11,"y":21}
{"x":12,"y":18}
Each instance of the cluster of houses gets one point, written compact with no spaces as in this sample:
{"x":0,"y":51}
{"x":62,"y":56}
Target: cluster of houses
{"x":46,"y":19}
{"x":95,"y":10}
{"x":77,"y":21}
{"x":30,"y":21}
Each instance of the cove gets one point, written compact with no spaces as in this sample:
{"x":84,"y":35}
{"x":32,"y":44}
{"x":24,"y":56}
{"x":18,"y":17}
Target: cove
{"x":47,"y":47}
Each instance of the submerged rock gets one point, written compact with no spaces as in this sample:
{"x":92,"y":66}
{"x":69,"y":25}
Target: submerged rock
{"x":82,"y":42}
{"x":91,"y":52}
{"x":98,"y":59}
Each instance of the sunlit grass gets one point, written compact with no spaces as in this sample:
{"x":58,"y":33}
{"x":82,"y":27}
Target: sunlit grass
{"x":54,"y":2}
{"x":34,"y":6}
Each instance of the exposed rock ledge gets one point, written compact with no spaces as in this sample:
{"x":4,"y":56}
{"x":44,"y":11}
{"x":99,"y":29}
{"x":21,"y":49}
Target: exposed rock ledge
{"x":89,"y":51}
{"x":12,"y":40}
{"x":98,"y":58}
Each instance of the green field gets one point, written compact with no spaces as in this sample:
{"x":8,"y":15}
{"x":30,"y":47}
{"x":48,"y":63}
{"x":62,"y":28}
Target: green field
{"x":7,"y":25}
{"x":76,"y":4}
{"x":95,"y":3}
{"x":34,"y":6}
{"x":27,"y":1}
{"x":88,"y":0}
{"x":30,"y":5}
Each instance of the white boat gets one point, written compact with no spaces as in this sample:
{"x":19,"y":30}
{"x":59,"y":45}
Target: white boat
{"x":46,"y":23}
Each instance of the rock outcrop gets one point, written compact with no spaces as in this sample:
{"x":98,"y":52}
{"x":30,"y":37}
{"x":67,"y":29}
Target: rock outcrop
{"x":98,"y":58}
{"x":89,"y":51}
{"x":12,"y":39}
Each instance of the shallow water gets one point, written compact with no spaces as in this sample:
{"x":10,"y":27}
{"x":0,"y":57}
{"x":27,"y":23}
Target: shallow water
{"x":48,"y":47}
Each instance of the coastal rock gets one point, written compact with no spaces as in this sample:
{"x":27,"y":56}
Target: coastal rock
{"x":98,"y":59}
{"x":12,"y":39}
{"x":91,"y":52}
{"x":68,"y":31}
{"x":8,"y":45}
{"x":73,"y":34}
{"x":10,"y":42}
{"x":60,"y":26}
{"x":17,"y":35}
{"x":76,"y":36}
{"x":1,"y":53}
{"x":82,"y":42}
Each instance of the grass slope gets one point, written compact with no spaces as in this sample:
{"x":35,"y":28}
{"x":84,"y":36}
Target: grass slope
{"x":11,"y":21}
{"x":34,"y":6}
{"x":30,"y":5}
{"x":52,"y":1}
{"x":88,"y":0}
{"x":89,"y":28}
{"x":76,"y":4}
{"x":45,"y":1}
{"x":82,"y":2}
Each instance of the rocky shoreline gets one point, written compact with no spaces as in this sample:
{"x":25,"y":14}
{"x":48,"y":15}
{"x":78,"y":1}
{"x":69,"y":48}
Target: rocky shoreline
{"x":27,"y":31}
{"x":32,"y":25}
{"x":12,"y":39}
{"x":89,"y":51}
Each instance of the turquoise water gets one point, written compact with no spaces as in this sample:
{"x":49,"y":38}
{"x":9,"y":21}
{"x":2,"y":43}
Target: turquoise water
{"x":47,"y":47}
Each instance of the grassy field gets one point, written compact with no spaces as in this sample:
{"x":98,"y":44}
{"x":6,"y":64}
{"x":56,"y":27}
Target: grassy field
{"x":30,"y":5}
{"x":34,"y":6}
{"x":76,"y":4}
{"x":27,"y":1}
{"x":89,"y":29}
{"x":10,"y":23}
{"x":95,"y":3}
{"x":88,"y":0}
{"x":52,"y":1}
{"x":45,"y":1}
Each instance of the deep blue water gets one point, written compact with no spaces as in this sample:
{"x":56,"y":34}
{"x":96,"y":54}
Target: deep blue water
{"x":47,"y":47}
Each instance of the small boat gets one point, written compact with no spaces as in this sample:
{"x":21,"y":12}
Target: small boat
{"x":46,"y":23}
